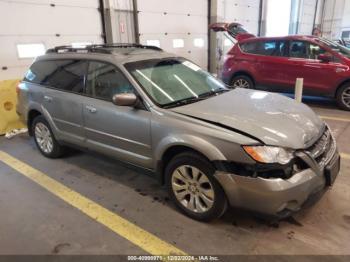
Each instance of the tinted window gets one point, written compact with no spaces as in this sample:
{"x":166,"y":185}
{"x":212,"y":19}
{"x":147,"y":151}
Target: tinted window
{"x":61,"y":74}
{"x":301,"y":49}
{"x":298,"y":49}
{"x":104,"y":81}
{"x":267,"y":48}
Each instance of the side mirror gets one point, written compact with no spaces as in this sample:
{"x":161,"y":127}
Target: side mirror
{"x":325,"y":58}
{"x":126,"y":99}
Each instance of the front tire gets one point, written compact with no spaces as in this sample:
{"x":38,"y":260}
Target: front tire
{"x":343,"y":97}
{"x":192,"y":186}
{"x":242,"y":81}
{"x":44,"y":138}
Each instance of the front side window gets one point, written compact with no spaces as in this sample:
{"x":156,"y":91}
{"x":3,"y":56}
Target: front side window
{"x":315,"y":51}
{"x":67,"y":75}
{"x":172,"y":80}
{"x":105,"y":80}
{"x":302,"y":49}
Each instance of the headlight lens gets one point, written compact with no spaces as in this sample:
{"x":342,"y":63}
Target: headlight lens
{"x":270,"y":154}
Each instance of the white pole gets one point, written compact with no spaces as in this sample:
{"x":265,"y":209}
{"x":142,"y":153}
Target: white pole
{"x":299,"y":89}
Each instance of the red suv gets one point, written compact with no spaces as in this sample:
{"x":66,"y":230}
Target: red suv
{"x":273,"y":64}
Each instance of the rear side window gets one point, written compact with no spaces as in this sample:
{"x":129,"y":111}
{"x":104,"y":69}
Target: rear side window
{"x":105,"y":80}
{"x":266,"y":48}
{"x":67,"y":75}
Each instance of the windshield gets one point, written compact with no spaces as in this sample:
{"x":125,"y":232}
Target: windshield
{"x":336,"y":47}
{"x":171,"y":81}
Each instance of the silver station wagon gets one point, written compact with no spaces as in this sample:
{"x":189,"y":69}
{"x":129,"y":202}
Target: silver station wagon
{"x":210,"y":145}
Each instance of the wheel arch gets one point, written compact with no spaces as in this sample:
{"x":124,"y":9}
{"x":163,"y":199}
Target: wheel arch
{"x":242,"y":72}
{"x":340,"y":86}
{"x":32,"y":114}
{"x":164,"y":156}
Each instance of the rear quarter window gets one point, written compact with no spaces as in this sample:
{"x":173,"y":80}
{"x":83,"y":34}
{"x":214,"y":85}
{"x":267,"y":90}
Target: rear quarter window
{"x":249,"y":48}
{"x":65,"y":75}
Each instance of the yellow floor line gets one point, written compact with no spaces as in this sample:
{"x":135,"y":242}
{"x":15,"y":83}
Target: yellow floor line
{"x":136,"y":235}
{"x":336,"y":118}
{"x":346,"y":156}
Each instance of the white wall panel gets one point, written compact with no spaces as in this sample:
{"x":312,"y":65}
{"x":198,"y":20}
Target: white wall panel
{"x":165,"y":20}
{"x":346,"y":15}
{"x":245,"y":12}
{"x":51,"y":22}
{"x":307,"y":16}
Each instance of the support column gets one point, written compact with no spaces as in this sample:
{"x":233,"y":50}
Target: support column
{"x":120,"y":18}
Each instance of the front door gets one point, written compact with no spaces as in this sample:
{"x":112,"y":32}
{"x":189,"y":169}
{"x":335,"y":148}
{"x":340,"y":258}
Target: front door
{"x":120,"y":131}
{"x":318,"y":76}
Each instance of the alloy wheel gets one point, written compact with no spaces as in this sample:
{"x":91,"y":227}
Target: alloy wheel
{"x":43,"y":138}
{"x":241,"y":83}
{"x":192,"y":189}
{"x":345,"y":96}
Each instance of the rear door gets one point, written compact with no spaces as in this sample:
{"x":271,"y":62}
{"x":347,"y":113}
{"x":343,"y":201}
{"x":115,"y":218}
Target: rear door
{"x":62,"y":95}
{"x":268,"y":58}
{"x":120,"y":131}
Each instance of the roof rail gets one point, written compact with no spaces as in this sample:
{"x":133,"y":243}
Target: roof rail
{"x":99,"y":48}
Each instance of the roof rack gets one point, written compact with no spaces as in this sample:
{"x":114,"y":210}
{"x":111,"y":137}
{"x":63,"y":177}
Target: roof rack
{"x":100,"y":48}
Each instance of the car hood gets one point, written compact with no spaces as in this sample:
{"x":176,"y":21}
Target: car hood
{"x":271,"y":118}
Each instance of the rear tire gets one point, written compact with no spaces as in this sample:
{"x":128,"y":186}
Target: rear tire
{"x":44,"y":138}
{"x":242,"y":81}
{"x":343,"y":97}
{"x":192,"y":186}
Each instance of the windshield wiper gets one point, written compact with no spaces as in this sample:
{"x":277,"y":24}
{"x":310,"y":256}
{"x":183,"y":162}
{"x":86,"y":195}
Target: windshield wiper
{"x":184,"y":101}
{"x":194,"y":99}
{"x":213,"y":92}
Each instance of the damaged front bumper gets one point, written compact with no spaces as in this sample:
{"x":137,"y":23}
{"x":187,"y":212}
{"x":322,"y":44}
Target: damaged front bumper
{"x":278,"y":196}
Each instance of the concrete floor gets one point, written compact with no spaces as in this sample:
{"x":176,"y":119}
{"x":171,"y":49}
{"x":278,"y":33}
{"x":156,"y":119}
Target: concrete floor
{"x":33,"y":221}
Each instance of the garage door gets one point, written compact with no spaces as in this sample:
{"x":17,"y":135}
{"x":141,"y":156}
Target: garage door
{"x":35,"y":25}
{"x":179,"y":27}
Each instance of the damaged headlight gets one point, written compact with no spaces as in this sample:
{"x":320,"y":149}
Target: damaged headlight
{"x":270,"y":154}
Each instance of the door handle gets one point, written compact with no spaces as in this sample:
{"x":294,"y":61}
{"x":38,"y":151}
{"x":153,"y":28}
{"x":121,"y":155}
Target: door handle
{"x":91,"y":109}
{"x":48,"y":98}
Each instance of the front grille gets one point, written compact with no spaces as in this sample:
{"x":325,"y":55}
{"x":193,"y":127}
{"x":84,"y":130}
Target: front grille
{"x":323,"y":149}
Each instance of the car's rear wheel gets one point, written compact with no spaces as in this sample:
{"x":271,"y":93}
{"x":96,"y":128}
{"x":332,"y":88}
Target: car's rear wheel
{"x":44,"y":138}
{"x":343,"y":97}
{"x":242,"y":81}
{"x":193,"y":188}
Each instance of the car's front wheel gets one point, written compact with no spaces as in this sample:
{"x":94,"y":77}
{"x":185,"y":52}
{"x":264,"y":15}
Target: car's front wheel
{"x":44,"y":138}
{"x":193,"y":188}
{"x":242,"y":81}
{"x":343,"y":97}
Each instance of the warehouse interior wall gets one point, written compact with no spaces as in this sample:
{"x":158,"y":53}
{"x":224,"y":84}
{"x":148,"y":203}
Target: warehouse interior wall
{"x":32,"y":26}
{"x":335,"y":17}
{"x":180,"y":28}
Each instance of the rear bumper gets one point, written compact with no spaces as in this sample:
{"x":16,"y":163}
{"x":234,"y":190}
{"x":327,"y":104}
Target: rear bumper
{"x":272,"y":196}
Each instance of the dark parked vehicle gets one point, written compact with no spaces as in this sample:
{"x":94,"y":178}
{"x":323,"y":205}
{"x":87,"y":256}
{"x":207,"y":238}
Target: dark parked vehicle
{"x":274,"y":63}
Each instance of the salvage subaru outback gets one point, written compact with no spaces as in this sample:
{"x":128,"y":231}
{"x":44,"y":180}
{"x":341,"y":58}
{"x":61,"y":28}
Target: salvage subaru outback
{"x":211,"y":146}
